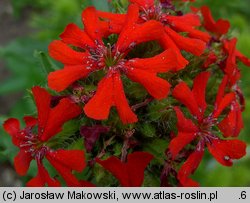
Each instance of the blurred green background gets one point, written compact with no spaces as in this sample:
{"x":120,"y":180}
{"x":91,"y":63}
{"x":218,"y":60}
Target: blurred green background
{"x":28,"y":26}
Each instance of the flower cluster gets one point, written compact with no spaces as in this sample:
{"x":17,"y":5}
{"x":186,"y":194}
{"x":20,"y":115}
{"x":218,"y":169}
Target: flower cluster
{"x":172,"y":78}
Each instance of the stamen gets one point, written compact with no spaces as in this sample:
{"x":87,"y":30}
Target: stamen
{"x":132,"y":45}
{"x":26,"y":145}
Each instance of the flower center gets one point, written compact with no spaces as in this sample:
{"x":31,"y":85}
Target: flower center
{"x":105,"y":57}
{"x":111,"y":57}
{"x":206,"y":131}
{"x":208,"y":123}
{"x":152,"y":13}
{"x":30,"y":142}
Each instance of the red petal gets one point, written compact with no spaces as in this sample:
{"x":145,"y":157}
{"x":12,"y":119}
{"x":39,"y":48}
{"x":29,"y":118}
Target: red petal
{"x":184,"y":95}
{"x":194,"y":9}
{"x":149,"y":31}
{"x":12,"y":126}
{"x":85,"y":183}
{"x":116,"y":18}
{"x":211,"y":59}
{"x":189,"y":19}
{"x":167,"y":43}
{"x":36,"y":181}
{"x":224,"y":151}
{"x":92,"y":24}
{"x":131,"y":16}
{"x":75,"y":36}
{"x":160,"y":63}
{"x":43,"y":178}
{"x":179,"y":142}
{"x":51,"y":120}
{"x":242,"y":58}
{"x":232,"y":124}
{"x":234,"y":76}
{"x":155,"y":86}
{"x":219,"y":27}
{"x":99,"y":106}
{"x":64,"y":111}
{"x":109,"y":93}
{"x":130,"y":174}
{"x":64,"y":171}
{"x":72,"y":159}
{"x":22,"y":162}
{"x":226,"y":101}
{"x":199,"y":90}
{"x":180,"y":26}
{"x":230,"y":48}
{"x":197,"y":34}
{"x":61,"y":52}
{"x":221,"y":90}
{"x":184,"y":124}
{"x":42,"y":99}
{"x":109,"y":28}
{"x":190,"y":165}
{"x":136,"y":164}
{"x":143,"y":3}
{"x":59,"y":80}
{"x":121,"y":103}
{"x":111,"y":22}
{"x":188,"y":182}
{"x":133,"y":33}
{"x":209,"y":22}
{"x":30,"y":121}
{"x":194,"y":46}
{"x":117,"y":168}
{"x":222,"y":26}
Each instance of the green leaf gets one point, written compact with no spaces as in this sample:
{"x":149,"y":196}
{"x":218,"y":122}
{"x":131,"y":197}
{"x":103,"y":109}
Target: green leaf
{"x":12,"y":85}
{"x":46,"y":63}
{"x":151,"y":180}
{"x":64,"y":139}
{"x":148,"y":130}
{"x":101,"y":5}
{"x":157,"y":148}
{"x":221,"y":176}
{"x":19,"y":6}
{"x":77,"y":144}
{"x":103,"y":177}
{"x":86,"y":3}
{"x":119,"y":5}
{"x":24,"y":73}
{"x":117,"y":149}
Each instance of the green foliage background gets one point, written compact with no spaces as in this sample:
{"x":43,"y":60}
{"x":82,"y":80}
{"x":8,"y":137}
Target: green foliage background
{"x":26,"y":59}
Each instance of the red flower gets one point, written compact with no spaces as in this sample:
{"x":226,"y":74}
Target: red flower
{"x":233,"y":54}
{"x":131,"y":173}
{"x":224,"y":151}
{"x":112,"y":59}
{"x":143,"y":3}
{"x":229,"y":65}
{"x":219,"y":27}
{"x":196,"y":41}
{"x":211,"y":59}
{"x":232,"y":124}
{"x":35,"y":145}
{"x":232,"y":76}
